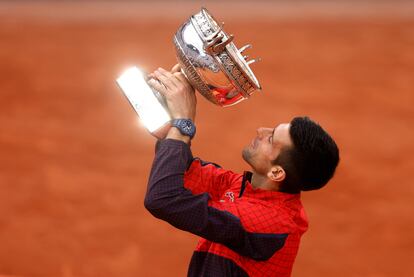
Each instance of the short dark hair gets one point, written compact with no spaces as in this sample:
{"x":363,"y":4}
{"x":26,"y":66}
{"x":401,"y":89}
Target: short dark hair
{"x":311,"y":162}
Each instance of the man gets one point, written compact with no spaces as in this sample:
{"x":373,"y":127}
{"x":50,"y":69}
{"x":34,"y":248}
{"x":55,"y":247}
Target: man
{"x":250,"y":224}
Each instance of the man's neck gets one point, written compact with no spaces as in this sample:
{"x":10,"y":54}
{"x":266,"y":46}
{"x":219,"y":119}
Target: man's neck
{"x":262,"y":182}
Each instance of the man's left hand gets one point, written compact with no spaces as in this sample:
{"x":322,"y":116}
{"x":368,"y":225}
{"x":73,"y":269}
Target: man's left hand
{"x":178,"y":93}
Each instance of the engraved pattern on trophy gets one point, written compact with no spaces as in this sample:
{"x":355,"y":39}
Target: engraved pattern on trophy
{"x":212,"y":63}
{"x":193,"y":59}
{"x":210,"y":29}
{"x":191,"y":74}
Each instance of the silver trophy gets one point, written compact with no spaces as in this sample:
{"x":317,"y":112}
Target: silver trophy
{"x":212,"y":64}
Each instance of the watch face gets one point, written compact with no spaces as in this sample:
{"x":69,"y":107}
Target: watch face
{"x":186,"y":127}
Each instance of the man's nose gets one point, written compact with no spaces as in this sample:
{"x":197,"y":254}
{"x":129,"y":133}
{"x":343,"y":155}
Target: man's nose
{"x":260,"y":131}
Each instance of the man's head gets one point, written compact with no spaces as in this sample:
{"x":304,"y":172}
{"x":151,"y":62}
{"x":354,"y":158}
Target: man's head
{"x":298,"y":155}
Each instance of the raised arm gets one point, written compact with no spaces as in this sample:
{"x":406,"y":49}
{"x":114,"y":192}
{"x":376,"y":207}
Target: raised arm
{"x":169,"y":200}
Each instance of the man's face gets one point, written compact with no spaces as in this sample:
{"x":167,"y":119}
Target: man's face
{"x":266,"y":147}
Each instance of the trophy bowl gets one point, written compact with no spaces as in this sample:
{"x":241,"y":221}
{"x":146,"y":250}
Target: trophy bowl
{"x":212,"y":64}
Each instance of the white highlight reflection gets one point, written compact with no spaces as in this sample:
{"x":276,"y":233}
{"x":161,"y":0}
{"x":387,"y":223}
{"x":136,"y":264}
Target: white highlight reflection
{"x":140,"y":95}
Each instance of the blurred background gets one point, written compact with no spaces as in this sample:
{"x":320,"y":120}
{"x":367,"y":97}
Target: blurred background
{"x":74,"y":160}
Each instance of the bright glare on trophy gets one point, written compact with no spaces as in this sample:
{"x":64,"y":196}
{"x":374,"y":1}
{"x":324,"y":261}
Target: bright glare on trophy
{"x":142,"y":98}
{"x":212,"y":64}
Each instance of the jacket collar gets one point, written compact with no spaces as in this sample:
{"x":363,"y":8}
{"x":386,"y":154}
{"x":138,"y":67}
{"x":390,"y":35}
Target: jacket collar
{"x":248,"y":189}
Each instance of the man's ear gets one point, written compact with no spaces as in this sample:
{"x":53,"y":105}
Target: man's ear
{"x":276,"y":173}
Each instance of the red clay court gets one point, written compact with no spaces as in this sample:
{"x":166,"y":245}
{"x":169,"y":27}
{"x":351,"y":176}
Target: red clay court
{"x":74,"y":160}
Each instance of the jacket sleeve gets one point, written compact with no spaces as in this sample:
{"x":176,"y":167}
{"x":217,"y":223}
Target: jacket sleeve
{"x":168,"y":200}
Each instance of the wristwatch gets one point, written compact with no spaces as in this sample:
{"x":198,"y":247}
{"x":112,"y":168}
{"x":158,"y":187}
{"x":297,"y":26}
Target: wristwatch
{"x":185,"y":126}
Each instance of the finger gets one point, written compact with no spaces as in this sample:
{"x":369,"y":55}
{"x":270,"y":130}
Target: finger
{"x":176,"y":68}
{"x":150,"y":76}
{"x":169,"y":80}
{"x":181,"y":77}
{"x":166,"y":81}
{"x":157,"y":85}
{"x":165,"y":72}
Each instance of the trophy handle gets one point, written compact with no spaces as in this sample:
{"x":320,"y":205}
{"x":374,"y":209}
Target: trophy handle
{"x":217,"y":44}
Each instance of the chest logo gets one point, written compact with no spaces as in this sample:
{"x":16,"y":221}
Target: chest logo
{"x":230,"y":195}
